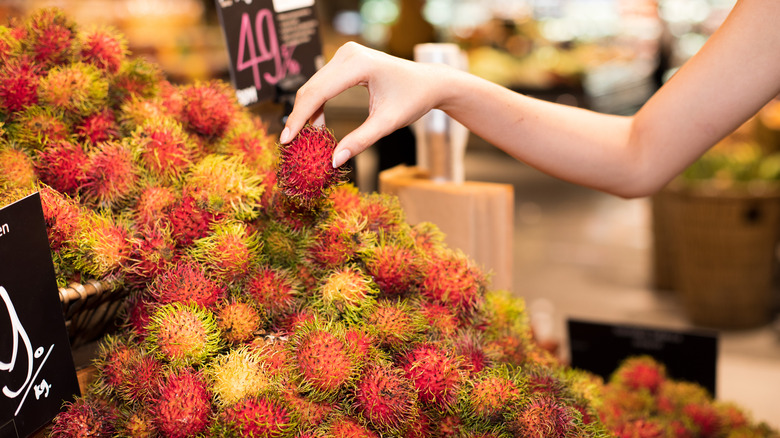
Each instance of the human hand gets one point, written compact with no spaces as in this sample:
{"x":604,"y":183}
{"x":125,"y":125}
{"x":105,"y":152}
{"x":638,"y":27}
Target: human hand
{"x":400,"y":92}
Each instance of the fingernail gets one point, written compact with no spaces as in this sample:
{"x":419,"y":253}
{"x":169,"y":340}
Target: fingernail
{"x":284,"y":137}
{"x":340,"y":158}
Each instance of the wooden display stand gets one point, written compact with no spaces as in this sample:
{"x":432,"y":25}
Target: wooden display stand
{"x":477,"y":217}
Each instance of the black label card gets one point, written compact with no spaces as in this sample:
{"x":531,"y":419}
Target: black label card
{"x":687,"y":355}
{"x":37,"y":373}
{"x":274,"y":46}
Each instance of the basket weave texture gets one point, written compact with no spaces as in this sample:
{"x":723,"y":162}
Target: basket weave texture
{"x":90,"y":309}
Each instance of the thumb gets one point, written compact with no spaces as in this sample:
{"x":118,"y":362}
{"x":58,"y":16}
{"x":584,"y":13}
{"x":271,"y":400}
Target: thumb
{"x":360,"y":139}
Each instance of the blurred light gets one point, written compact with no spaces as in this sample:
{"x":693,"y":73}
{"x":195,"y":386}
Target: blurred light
{"x":438,"y":12}
{"x":470,"y":14}
{"x":379,"y":11}
{"x":348,"y":22}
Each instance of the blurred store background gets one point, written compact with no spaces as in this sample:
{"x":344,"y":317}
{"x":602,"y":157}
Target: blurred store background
{"x":577,"y":252}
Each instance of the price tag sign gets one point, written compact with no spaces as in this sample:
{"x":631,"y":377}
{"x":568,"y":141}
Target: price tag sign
{"x":37,"y":373}
{"x":274,"y":46}
{"x":689,"y":355}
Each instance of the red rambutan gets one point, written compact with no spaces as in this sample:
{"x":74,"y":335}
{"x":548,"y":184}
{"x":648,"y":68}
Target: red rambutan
{"x":62,"y":216}
{"x":382,"y":212}
{"x":228,"y":252}
{"x":322,"y":359}
{"x":305,"y":172}
{"x":153,"y":250}
{"x":346,"y":292}
{"x":491,"y":394}
{"x":73,"y":90}
{"x":16,"y":168}
{"x":98,"y":127}
{"x":335,"y":241}
{"x":544,"y":417}
{"x":641,"y":372}
{"x":437,"y":374}
{"x":136,"y":77}
{"x":190,"y":220}
{"x":183,"y":405}
{"x":184,"y":334}
{"x":440,"y":319}
{"x":10,"y":46}
{"x":101,"y":247}
{"x":171,"y":98}
{"x":348,"y":427}
{"x":61,"y":166}
{"x":386,"y":398}
{"x":454,"y":281}
{"x":137,"y":110}
{"x":164,"y":150}
{"x":18,"y":85}
{"x":49,"y":37}
{"x":111,"y":175}
{"x":153,"y":205}
{"x":239,"y":321}
{"x":345,"y":198}
{"x":208,"y":108}
{"x":705,"y":417}
{"x":127,"y":371}
{"x":396,"y":269}
{"x":186,"y":282}
{"x":103,"y":47}
{"x":274,"y":289}
{"x":396,"y":324}
{"x":37,"y":127}
{"x":259,"y":416}
{"x":309,"y":413}
{"x":84,"y":417}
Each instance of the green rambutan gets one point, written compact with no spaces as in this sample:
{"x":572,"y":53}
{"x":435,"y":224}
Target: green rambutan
{"x":322,"y":359}
{"x":101,"y":246}
{"x":50,"y":37}
{"x":136,"y":77}
{"x":437,"y":374}
{"x":640,"y":373}
{"x":453,"y":280}
{"x":239,"y":321}
{"x":37,"y":127}
{"x":74,"y":90}
{"x":490,"y":394}
{"x":186,"y":282}
{"x":16,"y":168}
{"x":164,"y":149}
{"x":62,"y":216}
{"x":396,"y":324}
{"x":183,"y":405}
{"x":98,"y":127}
{"x":61,"y":166}
{"x":395,"y":268}
{"x":235,"y":375}
{"x":386,"y":398}
{"x":544,"y":417}
{"x":225,"y":185}
{"x":104,"y":47}
{"x":111,"y":175}
{"x":19,"y":80}
{"x":190,"y":220}
{"x":346,"y":292}
{"x":183,"y":334}
{"x":258,"y":416}
{"x":305,"y":172}
{"x":283,"y":246}
{"x":228,"y":252}
{"x":10,"y":46}
{"x":153,"y":251}
{"x":208,"y":107}
{"x":274,"y":289}
{"x":251,"y":142}
{"x":84,"y":417}
{"x":153,"y":204}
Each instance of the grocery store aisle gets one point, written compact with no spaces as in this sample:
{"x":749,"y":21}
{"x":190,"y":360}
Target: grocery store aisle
{"x":588,"y":255}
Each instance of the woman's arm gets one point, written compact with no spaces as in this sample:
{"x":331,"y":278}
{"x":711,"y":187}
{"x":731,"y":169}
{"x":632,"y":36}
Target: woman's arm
{"x":723,"y":85}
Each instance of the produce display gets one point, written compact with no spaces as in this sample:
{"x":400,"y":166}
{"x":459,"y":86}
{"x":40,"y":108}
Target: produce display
{"x":268,"y":297}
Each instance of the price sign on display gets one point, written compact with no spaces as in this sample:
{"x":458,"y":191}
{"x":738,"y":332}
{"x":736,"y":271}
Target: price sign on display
{"x":37,"y":373}
{"x":274,"y":46}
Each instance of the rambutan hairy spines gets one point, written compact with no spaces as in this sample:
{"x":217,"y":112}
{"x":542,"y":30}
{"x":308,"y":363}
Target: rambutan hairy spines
{"x":346,"y":292}
{"x":239,"y":320}
{"x":154,"y":203}
{"x":544,"y":416}
{"x":453,"y":280}
{"x":323,"y":361}
{"x":136,"y":77}
{"x":208,"y":108}
{"x":62,"y":216}
{"x":437,"y":374}
{"x":73,"y":90}
{"x":640,"y":373}
{"x":344,"y":426}
{"x":189,"y":218}
{"x":36,"y":127}
{"x":396,"y":324}
{"x":345,"y":198}
{"x":237,"y":374}
{"x":305,"y":172}
{"x":183,"y":334}
{"x":385,"y":397}
{"x":111,"y":175}
{"x":84,"y":417}
{"x":164,"y":149}
{"x":491,"y":394}
{"x":19,"y":80}
{"x":101,"y":246}
{"x":127,"y":371}
{"x":61,"y":166}
{"x":186,"y":282}
{"x":258,"y":416}
{"x":50,"y":37}
{"x":228,"y":252}
{"x":103,"y":47}
{"x":274,"y":289}
{"x":336,"y":240}
{"x":98,"y":127}
{"x":226,"y":186}
{"x":383,"y":213}
{"x":183,"y":405}
{"x":153,"y":250}
{"x":16,"y":168}
{"x":397,"y":269}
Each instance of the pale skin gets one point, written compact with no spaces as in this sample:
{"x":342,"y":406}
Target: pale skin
{"x":723,"y":85}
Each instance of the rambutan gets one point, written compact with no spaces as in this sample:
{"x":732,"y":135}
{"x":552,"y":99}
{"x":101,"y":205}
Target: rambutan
{"x":437,"y":374}
{"x":396,"y":324}
{"x":137,"y":423}
{"x":348,"y":427}
{"x":190,"y":220}
{"x":491,"y":394}
{"x":186,"y":282}
{"x":104,"y":47}
{"x":260,"y":416}
{"x":640,"y":373}
{"x":345,"y":198}
{"x":50,"y":37}
{"x":282,"y":245}
{"x":225,"y":185}
{"x":183,"y":405}
{"x":228,"y":252}
{"x":61,"y":165}
{"x":136,"y":77}
{"x":153,"y":250}
{"x":274,"y":289}
{"x":62,"y":215}
{"x":395,"y":268}
{"x":184,"y":334}
{"x":544,"y":417}
{"x":453,"y":280}
{"x":84,"y":417}
{"x":705,"y":417}
{"x":305,"y":171}
{"x":136,"y":314}
{"x":37,"y":127}
{"x":154,"y":203}
{"x":640,"y":428}
{"x":208,"y":108}
{"x":469,"y":344}
{"x":361,"y":340}
{"x":136,"y":111}
{"x":308,"y":413}
{"x":101,"y":246}
{"x":346,"y":292}
{"x":274,"y":355}
{"x":74,"y":90}
{"x":16,"y":168}
{"x":19,"y":80}
{"x":111,"y":175}
{"x":98,"y":127}
{"x":383,"y":213}
{"x":239,"y":321}
{"x":164,"y":149}
{"x":126,"y":371}
{"x":386,"y":398}
{"x":252,"y":143}
{"x":336,"y":241}
{"x":440,"y":319}
{"x":322,"y":359}
{"x":171,"y":98}
{"x":235,"y":375}
{"x":10,"y":46}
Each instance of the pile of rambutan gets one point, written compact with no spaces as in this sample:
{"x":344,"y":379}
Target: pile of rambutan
{"x":267,"y":296}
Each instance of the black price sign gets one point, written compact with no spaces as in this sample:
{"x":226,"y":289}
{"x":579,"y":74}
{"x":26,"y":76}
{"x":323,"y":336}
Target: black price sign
{"x":37,"y":373}
{"x":274,"y":46}
{"x":690,"y":355}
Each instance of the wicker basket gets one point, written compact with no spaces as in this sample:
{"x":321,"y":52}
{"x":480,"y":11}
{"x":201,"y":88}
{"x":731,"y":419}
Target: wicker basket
{"x":725,"y":243}
{"x":91,"y":309}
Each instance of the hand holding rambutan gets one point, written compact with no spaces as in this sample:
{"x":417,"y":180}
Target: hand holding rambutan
{"x":305,"y":171}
